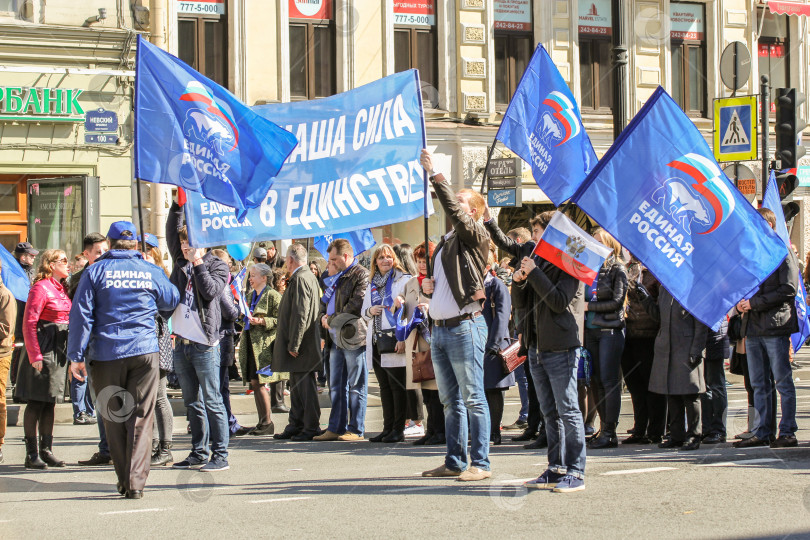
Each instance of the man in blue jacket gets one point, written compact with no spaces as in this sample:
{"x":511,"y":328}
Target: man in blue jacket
{"x":112,"y":322}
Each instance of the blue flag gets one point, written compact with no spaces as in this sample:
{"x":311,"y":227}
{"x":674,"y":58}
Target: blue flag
{"x":14,"y":277}
{"x":543,"y":126}
{"x":661,"y":194}
{"x":357,"y":166}
{"x":192,"y":132}
{"x":361,"y":241}
{"x":771,"y":200}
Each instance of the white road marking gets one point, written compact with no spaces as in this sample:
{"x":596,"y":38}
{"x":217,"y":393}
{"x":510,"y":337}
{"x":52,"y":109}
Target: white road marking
{"x":638,"y":471}
{"x":133,"y":511}
{"x":280,"y":500}
{"x":740,"y":462}
{"x":515,"y":480}
{"x":295,"y":469}
{"x":420,"y":488}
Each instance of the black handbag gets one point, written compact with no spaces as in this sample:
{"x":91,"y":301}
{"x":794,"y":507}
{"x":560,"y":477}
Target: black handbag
{"x":386,"y":341}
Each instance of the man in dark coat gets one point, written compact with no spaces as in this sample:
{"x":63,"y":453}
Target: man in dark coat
{"x":297,"y":346}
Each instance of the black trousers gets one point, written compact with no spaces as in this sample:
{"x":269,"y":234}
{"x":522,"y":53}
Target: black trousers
{"x":715,"y":401}
{"x":495,"y":403}
{"x":305,"y":409}
{"x":680,"y":406}
{"x":535,"y":417}
{"x":126,"y":390}
{"x":392,"y":394}
{"x":415,"y":408}
{"x":649,"y":408}
{"x":435,"y":412}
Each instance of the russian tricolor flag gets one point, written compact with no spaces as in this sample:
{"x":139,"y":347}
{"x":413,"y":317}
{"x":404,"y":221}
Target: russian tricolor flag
{"x":571,"y":249}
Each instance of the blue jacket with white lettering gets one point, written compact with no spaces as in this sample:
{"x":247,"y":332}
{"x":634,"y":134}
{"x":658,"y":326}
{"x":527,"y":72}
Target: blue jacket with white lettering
{"x":114,"y":308}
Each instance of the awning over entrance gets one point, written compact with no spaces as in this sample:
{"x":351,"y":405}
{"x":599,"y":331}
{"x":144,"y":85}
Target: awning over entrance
{"x":788,"y":8}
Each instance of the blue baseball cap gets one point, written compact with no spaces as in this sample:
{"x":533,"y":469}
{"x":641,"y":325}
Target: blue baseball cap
{"x":123,"y":230}
{"x":150,"y":239}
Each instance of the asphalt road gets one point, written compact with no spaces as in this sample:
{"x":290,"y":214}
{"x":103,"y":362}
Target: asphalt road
{"x":316,"y":490}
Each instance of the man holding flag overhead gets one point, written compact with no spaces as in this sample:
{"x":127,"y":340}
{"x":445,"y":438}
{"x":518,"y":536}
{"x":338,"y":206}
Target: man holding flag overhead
{"x":192,"y":132}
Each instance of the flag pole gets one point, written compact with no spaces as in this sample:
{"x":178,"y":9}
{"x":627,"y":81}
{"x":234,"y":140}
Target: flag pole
{"x":425,"y":188}
{"x":135,"y":157}
{"x":486,"y":167}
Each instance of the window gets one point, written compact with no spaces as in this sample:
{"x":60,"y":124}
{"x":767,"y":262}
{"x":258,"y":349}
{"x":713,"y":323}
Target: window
{"x":595,"y":69}
{"x":688,"y":38}
{"x":13,"y":211}
{"x":203,"y":41}
{"x":416,"y":46}
{"x":312,"y":50}
{"x":774,"y":48}
{"x":513,"y":46}
{"x":8,"y":6}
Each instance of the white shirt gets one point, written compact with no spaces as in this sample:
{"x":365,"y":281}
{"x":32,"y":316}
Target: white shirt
{"x":443,"y":304}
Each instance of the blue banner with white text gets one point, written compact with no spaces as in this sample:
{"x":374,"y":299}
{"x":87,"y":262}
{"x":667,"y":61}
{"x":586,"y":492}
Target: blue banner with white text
{"x":356,"y":166}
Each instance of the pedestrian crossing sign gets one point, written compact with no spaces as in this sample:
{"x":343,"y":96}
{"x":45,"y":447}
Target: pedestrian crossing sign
{"x":735,"y":128}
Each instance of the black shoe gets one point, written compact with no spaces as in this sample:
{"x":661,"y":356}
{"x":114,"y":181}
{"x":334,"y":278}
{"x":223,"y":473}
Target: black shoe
{"x":637,"y":439}
{"x":284,"y":435}
{"x":714,"y":438}
{"x":380,"y":437}
{"x":263,"y":429}
{"x":520,"y":424}
{"x":436,"y":439}
{"x":669,"y":443}
{"x":527,"y":435}
{"x":751,"y":442}
{"x":495,"y":439}
{"x":121,"y":489}
{"x":242,"y":431}
{"x":394,"y":437}
{"x":303,"y":437}
{"x":607,"y":439}
{"x":45,"y":445}
{"x":692,"y":443}
{"x":421,"y":441}
{"x":83,"y":419}
{"x":655,"y":439}
{"x":97,"y":459}
{"x":540,"y":442}
{"x":281,"y":409}
{"x":32,"y":460}
{"x":785,"y":441}
{"x":134,"y":494}
{"x":163,"y":456}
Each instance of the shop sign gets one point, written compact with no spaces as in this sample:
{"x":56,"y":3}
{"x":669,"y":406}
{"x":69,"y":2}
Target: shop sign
{"x":502,"y":167}
{"x":311,"y":9}
{"x":503,"y":198}
{"x":687,"y":21}
{"x":515,"y":15}
{"x":595,"y":18}
{"x":41,"y":104}
{"x":415,"y":12}
{"x":101,"y":120}
{"x":201,"y":7}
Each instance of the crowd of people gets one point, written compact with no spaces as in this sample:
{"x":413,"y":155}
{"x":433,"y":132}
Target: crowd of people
{"x":431,"y":321}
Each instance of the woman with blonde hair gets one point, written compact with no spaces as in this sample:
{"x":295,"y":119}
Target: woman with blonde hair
{"x":384,"y":296}
{"x":41,"y":380}
{"x":604,"y":338}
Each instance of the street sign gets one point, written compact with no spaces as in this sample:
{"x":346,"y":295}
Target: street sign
{"x":100,"y":138}
{"x":101,"y":120}
{"x":501,"y":183}
{"x":502,"y":167}
{"x":735,"y":129}
{"x":503,"y":197}
{"x":745,"y":180}
{"x":735,"y":65}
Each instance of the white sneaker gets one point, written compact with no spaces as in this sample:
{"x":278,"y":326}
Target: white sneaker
{"x":414,"y":431}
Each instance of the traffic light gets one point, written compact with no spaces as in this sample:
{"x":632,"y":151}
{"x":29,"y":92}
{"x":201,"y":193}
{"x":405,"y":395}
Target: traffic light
{"x":789,"y":127}
{"x":786,"y":182}
{"x":791,"y":210}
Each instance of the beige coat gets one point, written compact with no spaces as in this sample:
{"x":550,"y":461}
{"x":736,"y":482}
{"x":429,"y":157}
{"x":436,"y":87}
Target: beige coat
{"x":413,"y":297}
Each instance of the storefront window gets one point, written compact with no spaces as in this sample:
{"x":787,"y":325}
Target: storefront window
{"x":416,"y":46}
{"x":312,"y":50}
{"x":203,"y":38}
{"x":774,"y":48}
{"x":56,"y":214}
{"x":596,"y":74}
{"x":514,"y":44}
{"x":688,"y":37}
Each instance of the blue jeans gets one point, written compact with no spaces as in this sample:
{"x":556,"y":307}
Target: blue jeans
{"x":348,"y":390}
{"x":80,"y":397}
{"x":555,"y":380}
{"x":523,"y":391}
{"x":197,"y":367}
{"x":768,"y":355}
{"x":458,"y":361}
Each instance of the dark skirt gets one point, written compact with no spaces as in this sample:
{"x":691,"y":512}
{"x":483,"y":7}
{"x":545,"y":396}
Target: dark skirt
{"x":250,"y":368}
{"x":47,"y":385}
{"x":494,"y":374}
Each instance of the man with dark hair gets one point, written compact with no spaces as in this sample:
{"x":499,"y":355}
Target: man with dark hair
{"x":112,"y":323}
{"x":459,"y":330}
{"x":769,"y":320}
{"x":200,"y":277}
{"x":94,"y":246}
{"x":348,"y":373}
{"x":8,"y":315}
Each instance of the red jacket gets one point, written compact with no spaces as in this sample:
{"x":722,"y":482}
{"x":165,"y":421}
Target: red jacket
{"x":47,"y":301}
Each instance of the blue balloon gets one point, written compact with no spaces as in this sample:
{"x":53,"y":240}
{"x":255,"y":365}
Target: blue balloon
{"x":239,"y":252}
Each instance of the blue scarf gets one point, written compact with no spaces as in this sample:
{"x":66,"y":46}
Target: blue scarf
{"x":253,"y":303}
{"x":387,"y":301}
{"x":331,"y":283}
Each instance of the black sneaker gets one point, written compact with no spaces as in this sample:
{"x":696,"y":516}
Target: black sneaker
{"x":520,"y":424}
{"x":751,"y":442}
{"x":714,"y":438}
{"x":97,"y":459}
{"x":785,"y":441}
{"x":81,"y":419}
{"x":216,"y":464}
{"x":191,"y":462}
